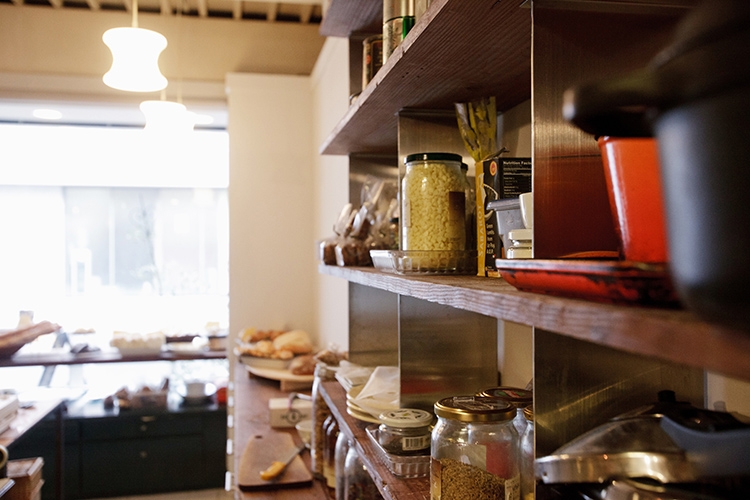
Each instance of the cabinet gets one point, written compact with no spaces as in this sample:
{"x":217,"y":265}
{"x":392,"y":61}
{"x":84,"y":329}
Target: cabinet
{"x":112,"y":453}
{"x":595,"y":360}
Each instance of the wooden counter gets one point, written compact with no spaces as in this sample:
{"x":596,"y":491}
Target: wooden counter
{"x":28,"y":418}
{"x":251,"y":418}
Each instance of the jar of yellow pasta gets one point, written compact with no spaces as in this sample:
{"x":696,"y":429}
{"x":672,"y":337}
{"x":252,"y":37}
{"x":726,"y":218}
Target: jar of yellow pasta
{"x":433,"y":203}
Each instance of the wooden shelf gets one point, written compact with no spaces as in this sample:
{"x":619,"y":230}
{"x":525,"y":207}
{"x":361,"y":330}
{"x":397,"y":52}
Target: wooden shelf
{"x":67,"y":358}
{"x":671,"y":335}
{"x":456,"y":52}
{"x":390,"y":486}
{"x":342,"y":18}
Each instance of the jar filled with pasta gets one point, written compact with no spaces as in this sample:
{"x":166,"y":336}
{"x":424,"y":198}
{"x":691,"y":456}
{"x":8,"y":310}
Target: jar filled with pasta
{"x":433,"y":203}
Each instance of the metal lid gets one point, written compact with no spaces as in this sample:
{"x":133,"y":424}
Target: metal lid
{"x":397,"y":8}
{"x":433,"y":157}
{"x":519,"y":398}
{"x":474,"y":409}
{"x":528,"y":412}
{"x":406,"y":418}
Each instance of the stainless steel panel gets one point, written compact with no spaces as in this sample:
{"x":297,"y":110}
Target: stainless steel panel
{"x":579,"y":385}
{"x":373,"y":326}
{"x":444,"y":352}
{"x":422,"y":131}
{"x":362,"y":166}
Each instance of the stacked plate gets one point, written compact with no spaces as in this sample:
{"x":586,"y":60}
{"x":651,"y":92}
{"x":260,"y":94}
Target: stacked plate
{"x":370,"y":412}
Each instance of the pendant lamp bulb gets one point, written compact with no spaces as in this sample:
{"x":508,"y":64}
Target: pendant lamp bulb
{"x":135,"y":57}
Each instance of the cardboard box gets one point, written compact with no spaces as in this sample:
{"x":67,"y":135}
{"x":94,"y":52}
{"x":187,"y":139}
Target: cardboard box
{"x":500,"y":178}
{"x":27,"y":474}
{"x":282,"y":415}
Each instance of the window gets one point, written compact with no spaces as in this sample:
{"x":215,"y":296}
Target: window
{"x":111,"y":229}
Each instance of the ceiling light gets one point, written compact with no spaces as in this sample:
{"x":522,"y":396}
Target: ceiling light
{"x":46,"y":114}
{"x":167,"y":116}
{"x":135,"y":57}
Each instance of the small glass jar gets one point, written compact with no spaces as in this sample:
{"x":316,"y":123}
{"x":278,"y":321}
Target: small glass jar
{"x":405,"y":431}
{"x":320,"y":412}
{"x":474,"y":450}
{"x":329,"y":451}
{"x":528,"y":479}
{"x":519,"y":398}
{"x":433,"y":203}
{"x":358,"y":483}
{"x":342,"y":447}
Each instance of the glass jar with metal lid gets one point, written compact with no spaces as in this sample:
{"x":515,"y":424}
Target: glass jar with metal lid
{"x":405,"y":431}
{"x":528,"y":479}
{"x":519,"y":398}
{"x":433,"y":203}
{"x":474,"y":450}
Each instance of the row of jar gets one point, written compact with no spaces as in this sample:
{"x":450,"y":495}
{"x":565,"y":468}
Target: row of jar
{"x":479,"y":446}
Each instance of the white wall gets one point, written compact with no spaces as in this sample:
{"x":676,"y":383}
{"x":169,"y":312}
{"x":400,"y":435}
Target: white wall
{"x":330,"y":96}
{"x":271,"y":197}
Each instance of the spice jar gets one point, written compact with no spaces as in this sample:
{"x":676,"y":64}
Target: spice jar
{"x":320,"y":412}
{"x":358,"y":483}
{"x":518,"y":398}
{"x":433,"y":203}
{"x":398,"y":19}
{"x":474,"y":450}
{"x":528,"y":480}
{"x":405,"y":431}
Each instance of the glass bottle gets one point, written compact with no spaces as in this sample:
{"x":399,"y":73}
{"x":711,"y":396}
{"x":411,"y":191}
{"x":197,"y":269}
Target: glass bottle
{"x":474,"y":450}
{"x":528,"y":480}
{"x":320,"y":412}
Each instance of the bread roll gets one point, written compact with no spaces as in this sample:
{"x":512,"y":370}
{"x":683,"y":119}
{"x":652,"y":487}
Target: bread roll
{"x":297,"y":341}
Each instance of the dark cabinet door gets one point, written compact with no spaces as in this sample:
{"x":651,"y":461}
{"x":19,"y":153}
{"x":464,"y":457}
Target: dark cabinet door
{"x":133,"y":467}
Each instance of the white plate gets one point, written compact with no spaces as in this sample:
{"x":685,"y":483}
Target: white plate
{"x":359,"y":415}
{"x":275,"y":374}
{"x":258,"y":362}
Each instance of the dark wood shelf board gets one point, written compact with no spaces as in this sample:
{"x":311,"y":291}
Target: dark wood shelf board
{"x":67,"y":358}
{"x":672,"y":335}
{"x":458,"y":51}
{"x":342,"y":18}
{"x":390,"y":486}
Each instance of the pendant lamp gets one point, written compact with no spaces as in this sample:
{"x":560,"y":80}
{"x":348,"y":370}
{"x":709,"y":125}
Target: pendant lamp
{"x":135,"y":57}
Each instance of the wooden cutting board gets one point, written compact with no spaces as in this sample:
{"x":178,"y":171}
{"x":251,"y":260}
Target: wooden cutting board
{"x":260,"y":452}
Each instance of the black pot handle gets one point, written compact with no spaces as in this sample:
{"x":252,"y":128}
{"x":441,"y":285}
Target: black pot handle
{"x":618,"y":107}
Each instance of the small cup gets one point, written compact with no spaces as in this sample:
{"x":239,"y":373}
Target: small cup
{"x":304,"y":428}
{"x":195,"y":390}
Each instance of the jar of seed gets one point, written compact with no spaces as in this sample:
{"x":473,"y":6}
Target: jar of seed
{"x":517,"y":397}
{"x":405,"y":431}
{"x":474,"y":450}
{"x":433,"y":203}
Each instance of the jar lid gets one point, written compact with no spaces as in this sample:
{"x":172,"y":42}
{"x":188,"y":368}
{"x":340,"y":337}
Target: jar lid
{"x":475,"y":409}
{"x":528,"y":412}
{"x":513,"y":395}
{"x":406,"y":417}
{"x":433,"y":157}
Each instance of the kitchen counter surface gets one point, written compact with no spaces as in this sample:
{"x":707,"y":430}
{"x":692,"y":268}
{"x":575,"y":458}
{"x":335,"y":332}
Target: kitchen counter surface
{"x":251,"y":418}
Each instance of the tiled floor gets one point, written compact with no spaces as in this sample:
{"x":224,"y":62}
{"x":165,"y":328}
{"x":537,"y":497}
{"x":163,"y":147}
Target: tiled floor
{"x":217,"y":494}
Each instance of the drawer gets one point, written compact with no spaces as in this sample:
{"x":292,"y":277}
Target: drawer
{"x":141,"y":425}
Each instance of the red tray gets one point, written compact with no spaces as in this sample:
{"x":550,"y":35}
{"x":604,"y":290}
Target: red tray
{"x":611,"y":281}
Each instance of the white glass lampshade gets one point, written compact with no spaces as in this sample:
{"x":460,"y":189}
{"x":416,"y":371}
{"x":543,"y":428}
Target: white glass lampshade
{"x":167,"y":116}
{"x":135,"y":59}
